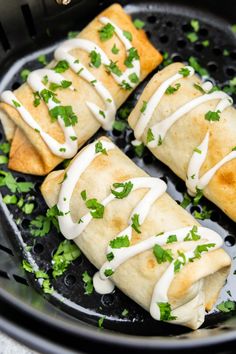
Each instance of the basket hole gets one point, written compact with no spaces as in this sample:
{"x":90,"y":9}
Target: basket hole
{"x":15,"y":85}
{"x":4,"y":274}
{"x":203,"y":32}
{"x":215,"y":216}
{"x":230,"y":71}
{"x":69,"y":280}
{"x":20,"y":179}
{"x":212,"y":67}
{"x":151,"y":19}
{"x":164,"y":179}
{"x":25,"y":223}
{"x":176,"y":58}
{"x":108,"y":299}
{"x":1,"y":136}
{"x":233,"y":55}
{"x":6,"y":250}
{"x":187,"y":27}
{"x":29,"y":21}
{"x":148,"y":33}
{"x":38,"y":248}
{"x":229,"y":241}
{"x":121,"y":143}
{"x":180,"y":187}
{"x":181,"y":43}
{"x":169,"y":24}
{"x":129,"y":136}
{"x":195,"y":208}
{"x":198,"y":47}
{"x":116,"y":132}
{"x":130,"y":153}
{"x":164,"y":38}
{"x":148,"y":159}
{"x":3,"y":38}
{"x":20,"y":279}
{"x":217,"y":51}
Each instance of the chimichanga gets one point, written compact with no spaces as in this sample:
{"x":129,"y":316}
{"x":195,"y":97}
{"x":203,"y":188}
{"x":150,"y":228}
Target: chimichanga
{"x":135,"y":233}
{"x":62,"y":106}
{"x":191,"y":127}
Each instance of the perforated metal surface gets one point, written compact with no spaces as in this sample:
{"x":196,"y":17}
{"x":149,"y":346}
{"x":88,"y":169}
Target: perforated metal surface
{"x":168,"y":33}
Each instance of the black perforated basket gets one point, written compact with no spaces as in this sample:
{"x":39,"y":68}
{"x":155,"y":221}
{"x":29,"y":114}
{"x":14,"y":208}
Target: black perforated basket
{"x":66,"y":321}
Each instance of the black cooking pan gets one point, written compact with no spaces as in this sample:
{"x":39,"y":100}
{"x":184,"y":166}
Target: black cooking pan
{"x":54,"y":326}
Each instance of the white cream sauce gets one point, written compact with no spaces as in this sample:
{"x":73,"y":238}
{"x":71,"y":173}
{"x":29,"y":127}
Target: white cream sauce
{"x":105,"y":117}
{"x":156,"y":188}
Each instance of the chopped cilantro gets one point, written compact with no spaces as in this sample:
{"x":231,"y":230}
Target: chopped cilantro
{"x":125,"y":187}
{"x":37,"y":98}
{"x":99,"y":148}
{"x":171,"y":239}
{"x":128,"y":35}
{"x":61,"y":66}
{"x":199,"y":88}
{"x":110,"y":256}
{"x":150,"y":136}
{"x":5,"y":148}
{"x":64,"y":84}
{"x":41,"y":225}
{"x":192,"y":37}
{"x":144,"y":106}
{"x":108,"y":272}
{"x":125,"y":85}
{"x":124,"y":112}
{"x":28,"y":208}
{"x":16,"y":103}
{"x":139,"y":149}
{"x":133,"y":78}
{"x":97,"y":209}
{"x":226,"y":306}
{"x":233,"y":28}
{"x":10,"y":199}
{"x":114,"y":49}
{"x":42,"y":59}
{"x":64,"y":112}
{"x":162,"y":255}
{"x":3,"y":159}
{"x":184,"y":72}
{"x":212,"y":116}
{"x":135,"y":223}
{"x":139,"y":24}
{"x":192,"y":234}
{"x":132,"y":55}
{"x":167,"y":60}
{"x":72,"y":34}
{"x":204,"y":214}
{"x":95,"y":58}
{"x":197,"y":67}
{"x":165,"y":311}
{"x":200,"y":249}
{"x":100,"y":322}
{"x":119,"y":125}
{"x":125,"y":313}
{"x":206,"y":43}
{"x":27,"y":267}
{"x":7,"y":180}
{"x":172,"y":89}
{"x":24,"y":74}
{"x":186,"y":201}
{"x":179,"y":262}
{"x":66,"y":253}
{"x":83,"y":195}
{"x":88,"y":283}
{"x":106,"y":32}
{"x":195,"y":25}
{"x":113,"y":68}
{"x":120,"y":242}
{"x":197,"y":197}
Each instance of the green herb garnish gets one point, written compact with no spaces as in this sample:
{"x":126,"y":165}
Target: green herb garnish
{"x":88,"y":283}
{"x":120,"y":242}
{"x":66,"y":253}
{"x":162,"y":255}
{"x":97,"y":209}
{"x":106,"y":32}
{"x":135,"y":223}
{"x":125,"y":187}
{"x":172,"y":89}
{"x":165,"y":311}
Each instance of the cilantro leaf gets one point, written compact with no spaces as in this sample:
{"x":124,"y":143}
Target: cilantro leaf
{"x":184,"y":72}
{"x":27,"y":267}
{"x":139,"y":24}
{"x":150,"y":136}
{"x":108,"y":272}
{"x":66,"y":253}
{"x":5,"y":147}
{"x":88,"y":283}
{"x":192,"y":37}
{"x":72,"y":34}
{"x":113,"y":68}
{"x":139,"y":149}
{"x":3,"y":159}
{"x":197,"y":67}
{"x":226,"y":306}
{"x":200,"y":249}
{"x":197,"y":197}
{"x":144,"y":106}
{"x":179,"y":262}
{"x":212,"y":116}
{"x":128,"y":35}
{"x":120,"y":242}
{"x":162,"y":255}
{"x":186,"y":201}
{"x":132,"y":55}
{"x":126,"y":188}
{"x":97,"y":209}
{"x":172,"y":89}
{"x":204,"y":214}
{"x":171,"y":239}
{"x":135,"y":223}
{"x":64,"y":112}
{"x":61,"y":66}
{"x":95,"y":58}
{"x":99,"y":148}
{"x":119,"y":125}
{"x":165,"y":311}
{"x":42,"y":59}
{"x":114,"y":49}
{"x":195,"y":25}
{"x":106,"y":32}
{"x":40,"y":226}
{"x":192,"y":235}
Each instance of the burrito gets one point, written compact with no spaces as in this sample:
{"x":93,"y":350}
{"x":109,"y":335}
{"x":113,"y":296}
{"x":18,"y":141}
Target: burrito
{"x":138,"y":237}
{"x":190,"y":126}
{"x":62,"y":105}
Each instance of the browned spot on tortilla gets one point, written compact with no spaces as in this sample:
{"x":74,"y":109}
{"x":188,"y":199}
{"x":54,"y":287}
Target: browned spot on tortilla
{"x":118,"y":223}
{"x":227,"y":178}
{"x":151,"y":263}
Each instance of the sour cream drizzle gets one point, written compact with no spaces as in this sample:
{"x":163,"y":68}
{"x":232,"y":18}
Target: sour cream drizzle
{"x":156,"y":188}
{"x":160,"y":129}
{"x":105,"y":117}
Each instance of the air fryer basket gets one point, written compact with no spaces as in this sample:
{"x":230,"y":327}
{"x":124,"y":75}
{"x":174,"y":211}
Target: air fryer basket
{"x":26,"y":31}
